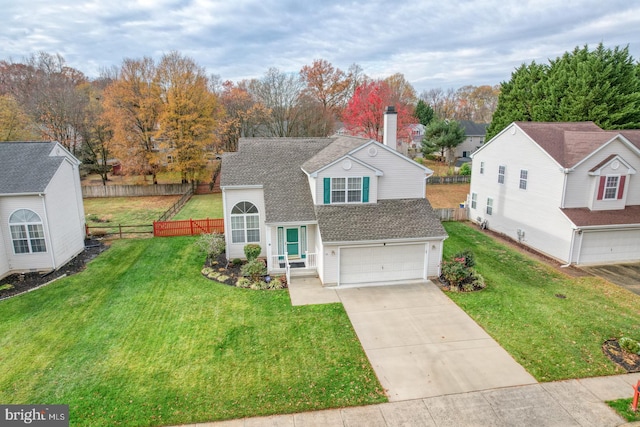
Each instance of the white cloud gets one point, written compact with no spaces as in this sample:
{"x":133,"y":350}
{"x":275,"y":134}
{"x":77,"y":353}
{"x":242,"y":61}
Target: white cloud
{"x":434,"y":43}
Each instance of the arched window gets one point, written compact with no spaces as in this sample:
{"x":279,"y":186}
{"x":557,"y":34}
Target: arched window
{"x":245,"y":223}
{"x":27,"y":233}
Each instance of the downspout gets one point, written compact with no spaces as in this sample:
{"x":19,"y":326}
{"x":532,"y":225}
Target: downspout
{"x":47,"y":233}
{"x":573,"y":237}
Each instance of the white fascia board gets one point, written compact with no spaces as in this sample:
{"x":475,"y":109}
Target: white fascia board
{"x":240,"y":187}
{"x":381,"y":241}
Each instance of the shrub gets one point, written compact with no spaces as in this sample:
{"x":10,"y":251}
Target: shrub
{"x":254,"y":269}
{"x":629,"y":345}
{"x":236,"y":262}
{"x":468,"y":256}
{"x":276,"y":283}
{"x":259,"y":285}
{"x":465,"y":169}
{"x":459,"y":275}
{"x":211,"y":244}
{"x":252,"y":251}
{"x":243,"y":282}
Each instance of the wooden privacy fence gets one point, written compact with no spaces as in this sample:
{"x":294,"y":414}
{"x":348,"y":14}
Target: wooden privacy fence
{"x":188,"y":227}
{"x":451,"y":214}
{"x":89,"y":191}
{"x":452,"y":179}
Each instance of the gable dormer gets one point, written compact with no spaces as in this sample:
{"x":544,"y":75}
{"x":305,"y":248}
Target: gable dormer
{"x":610,"y":183}
{"x":344,"y":181}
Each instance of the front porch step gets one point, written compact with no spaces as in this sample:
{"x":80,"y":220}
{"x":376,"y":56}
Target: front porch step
{"x":303,"y":272}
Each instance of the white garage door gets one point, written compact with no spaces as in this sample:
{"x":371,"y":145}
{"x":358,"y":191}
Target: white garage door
{"x":610,"y":246}
{"x":376,"y":264}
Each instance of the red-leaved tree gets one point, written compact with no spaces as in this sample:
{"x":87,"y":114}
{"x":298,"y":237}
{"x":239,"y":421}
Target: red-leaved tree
{"x":363,"y":115}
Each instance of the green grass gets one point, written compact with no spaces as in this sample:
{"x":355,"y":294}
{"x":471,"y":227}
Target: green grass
{"x":201,"y":206}
{"x":553,"y":338}
{"x":623,"y":408}
{"x":140,"y":338}
{"x":111,"y":211}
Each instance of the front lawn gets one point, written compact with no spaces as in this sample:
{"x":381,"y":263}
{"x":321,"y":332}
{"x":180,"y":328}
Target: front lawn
{"x":552,"y":324}
{"x":140,"y":338}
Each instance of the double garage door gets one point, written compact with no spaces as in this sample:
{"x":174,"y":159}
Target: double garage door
{"x":382,"y":264}
{"x":610,"y":246}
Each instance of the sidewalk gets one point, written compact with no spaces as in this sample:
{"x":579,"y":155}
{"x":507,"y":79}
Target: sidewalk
{"x":563,"y":404}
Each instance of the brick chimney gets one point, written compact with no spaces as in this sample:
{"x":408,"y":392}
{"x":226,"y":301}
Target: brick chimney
{"x":390,"y":131}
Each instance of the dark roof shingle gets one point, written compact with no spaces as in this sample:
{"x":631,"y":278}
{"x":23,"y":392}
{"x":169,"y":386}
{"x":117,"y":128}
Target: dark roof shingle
{"x":26,"y":167}
{"x":385,"y":220}
{"x":584,"y":217}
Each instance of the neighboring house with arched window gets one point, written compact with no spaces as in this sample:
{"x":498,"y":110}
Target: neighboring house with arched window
{"x":42,"y":224}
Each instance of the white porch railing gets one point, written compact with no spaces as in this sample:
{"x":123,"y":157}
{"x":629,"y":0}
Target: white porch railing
{"x":282,"y":261}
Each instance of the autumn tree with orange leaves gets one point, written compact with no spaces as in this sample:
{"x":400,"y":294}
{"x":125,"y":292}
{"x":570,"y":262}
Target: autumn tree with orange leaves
{"x":188,"y":116}
{"x":132,"y":106}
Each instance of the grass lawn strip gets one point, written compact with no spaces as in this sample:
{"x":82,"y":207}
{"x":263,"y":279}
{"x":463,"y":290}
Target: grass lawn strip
{"x":523,"y":308}
{"x":141,"y":338}
{"x":201,"y":206}
{"x":111,"y":211}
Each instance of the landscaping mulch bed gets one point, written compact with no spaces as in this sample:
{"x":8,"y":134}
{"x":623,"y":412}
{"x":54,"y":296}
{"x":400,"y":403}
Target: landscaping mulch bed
{"x":230,"y":271}
{"x":28,"y":281}
{"x":627,"y":361}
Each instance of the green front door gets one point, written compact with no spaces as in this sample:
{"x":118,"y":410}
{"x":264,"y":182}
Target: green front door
{"x":293,"y":245}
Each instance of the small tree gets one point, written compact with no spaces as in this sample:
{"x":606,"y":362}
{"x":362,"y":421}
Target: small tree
{"x":465,"y":169}
{"x":444,"y":135}
{"x":211,"y":244}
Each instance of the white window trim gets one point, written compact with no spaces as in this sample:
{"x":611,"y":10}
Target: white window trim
{"x":244,"y":216}
{"x":346,"y":189}
{"x":489,"y":209}
{"x":502,"y":171}
{"x":474,"y":200}
{"x":606,"y":187}
{"x":27,"y":233}
{"x":524,"y":180}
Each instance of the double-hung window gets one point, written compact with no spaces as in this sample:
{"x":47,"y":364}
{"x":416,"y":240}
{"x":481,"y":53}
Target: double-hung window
{"x":481,"y":167}
{"x":489,"y":206}
{"x":346,"y":190}
{"x":524,"y":174}
{"x":611,"y":188}
{"x":474,"y":200}
{"x":501,"y":172}
{"x":245,"y":223}
{"x":27,"y":234}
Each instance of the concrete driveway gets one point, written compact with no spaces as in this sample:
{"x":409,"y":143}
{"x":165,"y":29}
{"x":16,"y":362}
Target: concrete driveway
{"x":625,"y":275}
{"x":421,"y":344}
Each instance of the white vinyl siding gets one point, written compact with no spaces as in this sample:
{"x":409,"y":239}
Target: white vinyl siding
{"x":402,"y":178}
{"x":231,"y":197}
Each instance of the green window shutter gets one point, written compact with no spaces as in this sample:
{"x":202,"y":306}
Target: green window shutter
{"x":327,"y":191}
{"x":365,"y":189}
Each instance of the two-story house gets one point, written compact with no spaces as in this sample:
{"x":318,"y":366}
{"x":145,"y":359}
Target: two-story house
{"x":350,"y":209}
{"x":568,"y":190}
{"x":474,"y":138}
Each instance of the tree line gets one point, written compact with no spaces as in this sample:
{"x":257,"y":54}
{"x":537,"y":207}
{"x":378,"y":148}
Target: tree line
{"x":145,"y":111}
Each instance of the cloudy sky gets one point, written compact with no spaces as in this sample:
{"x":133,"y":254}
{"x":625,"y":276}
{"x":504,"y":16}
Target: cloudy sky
{"x":435,"y":44}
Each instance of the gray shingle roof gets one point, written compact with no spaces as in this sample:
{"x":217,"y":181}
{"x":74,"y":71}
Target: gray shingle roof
{"x":274,"y":163}
{"x":26,"y":167}
{"x":385,"y":220}
{"x":473,"y":128}
{"x":340,"y":147}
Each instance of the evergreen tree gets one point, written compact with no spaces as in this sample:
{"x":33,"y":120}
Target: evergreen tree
{"x":423,"y":112}
{"x":602,"y":85}
{"x":443,"y":135}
